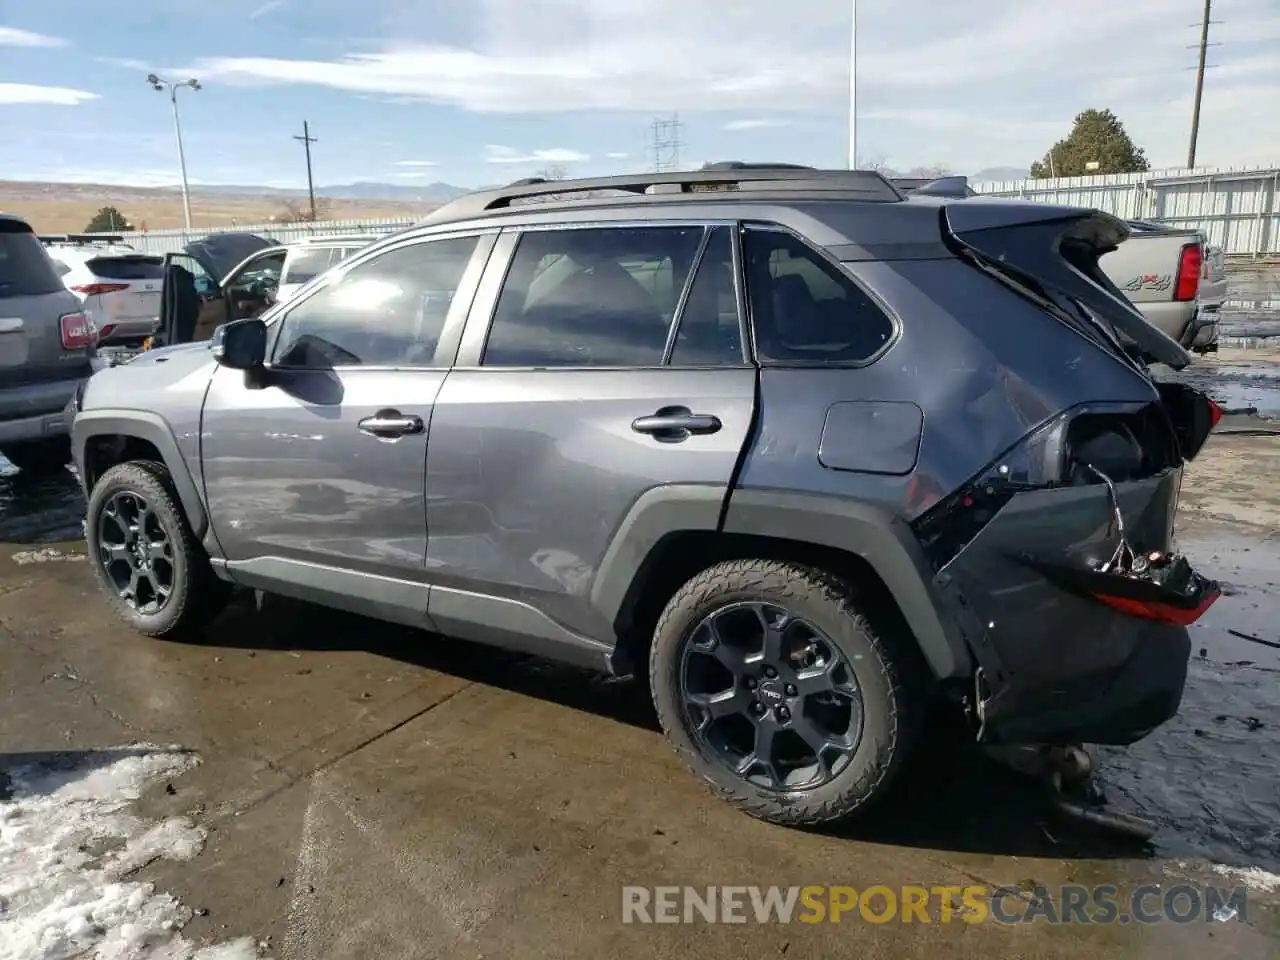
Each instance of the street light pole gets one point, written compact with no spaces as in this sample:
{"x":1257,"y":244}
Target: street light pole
{"x":853,"y":84}
{"x":173,"y":88}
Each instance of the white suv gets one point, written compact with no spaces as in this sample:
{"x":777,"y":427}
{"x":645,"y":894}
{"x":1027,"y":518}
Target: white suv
{"x":312,"y":256}
{"x":119,"y":288}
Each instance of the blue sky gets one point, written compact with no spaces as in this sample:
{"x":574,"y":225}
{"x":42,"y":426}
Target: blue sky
{"x":483,"y":91}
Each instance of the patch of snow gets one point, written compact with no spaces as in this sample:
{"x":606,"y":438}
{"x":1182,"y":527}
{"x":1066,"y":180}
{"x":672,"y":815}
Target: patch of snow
{"x":45,"y":555}
{"x":1254,"y":878}
{"x":59,"y":898}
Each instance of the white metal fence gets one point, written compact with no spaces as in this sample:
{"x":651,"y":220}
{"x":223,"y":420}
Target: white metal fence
{"x":1239,"y":208}
{"x":169,"y":241}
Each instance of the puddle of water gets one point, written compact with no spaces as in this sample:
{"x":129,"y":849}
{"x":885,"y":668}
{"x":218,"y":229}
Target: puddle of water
{"x":39,"y":510}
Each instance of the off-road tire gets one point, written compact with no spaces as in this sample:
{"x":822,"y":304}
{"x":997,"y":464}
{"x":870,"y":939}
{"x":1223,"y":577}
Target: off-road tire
{"x":198,"y":595}
{"x":39,"y":457}
{"x":878,"y":656}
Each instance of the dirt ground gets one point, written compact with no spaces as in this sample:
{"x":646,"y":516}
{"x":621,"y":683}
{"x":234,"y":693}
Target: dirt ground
{"x":365,"y":791}
{"x":68,"y":208}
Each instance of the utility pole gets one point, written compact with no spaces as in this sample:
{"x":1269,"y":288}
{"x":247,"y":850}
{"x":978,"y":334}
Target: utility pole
{"x":853,"y":84}
{"x":307,"y":140}
{"x":1195,"y":110}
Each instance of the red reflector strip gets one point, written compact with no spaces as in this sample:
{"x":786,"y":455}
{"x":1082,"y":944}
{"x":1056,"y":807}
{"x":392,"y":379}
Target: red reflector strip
{"x":1161,"y":612}
{"x":77,"y":331}
{"x":1215,"y":414}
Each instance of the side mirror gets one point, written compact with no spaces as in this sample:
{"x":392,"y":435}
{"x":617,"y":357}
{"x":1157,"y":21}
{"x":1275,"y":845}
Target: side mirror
{"x":240,"y":344}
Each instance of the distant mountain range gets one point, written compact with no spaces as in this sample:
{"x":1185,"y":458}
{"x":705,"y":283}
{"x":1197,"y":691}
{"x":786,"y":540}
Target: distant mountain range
{"x":365,"y":190}
{"x":997,"y":174}
{"x":440,"y":192}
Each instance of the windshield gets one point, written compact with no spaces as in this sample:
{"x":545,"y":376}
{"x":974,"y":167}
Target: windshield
{"x":305,"y":263}
{"x":25,"y":267}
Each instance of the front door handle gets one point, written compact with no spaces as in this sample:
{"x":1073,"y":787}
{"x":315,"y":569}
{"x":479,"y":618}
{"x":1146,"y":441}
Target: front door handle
{"x":389,"y":424}
{"x":672,"y":424}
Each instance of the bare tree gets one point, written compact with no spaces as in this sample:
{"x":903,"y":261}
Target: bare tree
{"x":553,"y":171}
{"x":875,"y":161}
{"x":299,"y":211}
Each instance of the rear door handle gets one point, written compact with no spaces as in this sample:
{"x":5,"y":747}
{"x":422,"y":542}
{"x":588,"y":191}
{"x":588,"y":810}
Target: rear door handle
{"x":389,"y":424}
{"x":675,"y":423}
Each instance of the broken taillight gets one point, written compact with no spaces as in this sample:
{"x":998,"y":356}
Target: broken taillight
{"x":1189,"y":263}
{"x":1127,"y":441}
{"x":1162,"y":612}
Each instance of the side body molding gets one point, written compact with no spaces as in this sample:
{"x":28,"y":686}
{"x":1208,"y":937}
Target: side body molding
{"x":154,"y":429}
{"x":880,"y":538}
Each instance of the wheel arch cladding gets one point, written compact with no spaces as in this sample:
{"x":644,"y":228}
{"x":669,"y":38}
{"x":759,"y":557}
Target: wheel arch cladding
{"x":884,"y":542}
{"x":152,"y":429}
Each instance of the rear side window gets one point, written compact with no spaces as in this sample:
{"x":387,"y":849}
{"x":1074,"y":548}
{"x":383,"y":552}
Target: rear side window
{"x":303,"y":264}
{"x":804,"y":308}
{"x":127,"y":268}
{"x":25,"y":267}
{"x":601,"y":297}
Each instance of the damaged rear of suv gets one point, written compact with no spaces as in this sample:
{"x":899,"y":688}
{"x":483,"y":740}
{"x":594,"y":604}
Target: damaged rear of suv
{"x":1057,"y":558}
{"x":815,"y":455}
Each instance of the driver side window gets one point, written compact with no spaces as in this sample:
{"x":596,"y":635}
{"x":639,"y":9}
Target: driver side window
{"x":388,"y":311}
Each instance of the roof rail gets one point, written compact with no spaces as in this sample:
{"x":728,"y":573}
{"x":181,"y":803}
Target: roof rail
{"x":708,"y":184}
{"x":740,"y":165}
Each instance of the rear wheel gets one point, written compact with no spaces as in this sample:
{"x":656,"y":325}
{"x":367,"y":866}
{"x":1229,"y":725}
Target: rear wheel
{"x":39,"y":456}
{"x":777,"y":690}
{"x":156,"y":573}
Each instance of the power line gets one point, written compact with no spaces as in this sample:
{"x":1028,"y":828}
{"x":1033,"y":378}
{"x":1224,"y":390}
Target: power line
{"x":307,"y":140}
{"x":665,"y":147}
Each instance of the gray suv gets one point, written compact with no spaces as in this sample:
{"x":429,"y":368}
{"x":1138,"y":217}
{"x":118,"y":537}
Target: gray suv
{"x":46,"y":350}
{"x":811,"y":458}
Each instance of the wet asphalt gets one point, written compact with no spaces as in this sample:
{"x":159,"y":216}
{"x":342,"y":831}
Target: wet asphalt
{"x":495,"y":803}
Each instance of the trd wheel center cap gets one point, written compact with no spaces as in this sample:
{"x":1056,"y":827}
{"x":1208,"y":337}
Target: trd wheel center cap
{"x":771,"y":694}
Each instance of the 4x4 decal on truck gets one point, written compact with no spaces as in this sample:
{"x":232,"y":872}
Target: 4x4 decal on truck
{"x":1148,"y":281}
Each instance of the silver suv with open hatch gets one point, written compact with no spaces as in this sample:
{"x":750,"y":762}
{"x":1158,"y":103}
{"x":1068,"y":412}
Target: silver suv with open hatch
{"x":805,"y":456}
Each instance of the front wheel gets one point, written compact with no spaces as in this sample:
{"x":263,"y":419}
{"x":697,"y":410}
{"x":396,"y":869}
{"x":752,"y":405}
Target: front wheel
{"x":156,"y":573}
{"x":776,"y":689}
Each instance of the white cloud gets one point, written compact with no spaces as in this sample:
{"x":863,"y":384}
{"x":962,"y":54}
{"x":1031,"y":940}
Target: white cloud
{"x":997,"y":75}
{"x":499,"y":154}
{"x":734,"y":125}
{"x":128,"y":63}
{"x":266,"y":8}
{"x":408,"y":174}
{"x":415,"y":163}
{"x":618,"y":156}
{"x":11,"y":93}
{"x":13,"y":37}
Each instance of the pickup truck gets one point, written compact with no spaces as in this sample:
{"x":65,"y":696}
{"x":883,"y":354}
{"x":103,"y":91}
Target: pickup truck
{"x":1175,"y":278}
